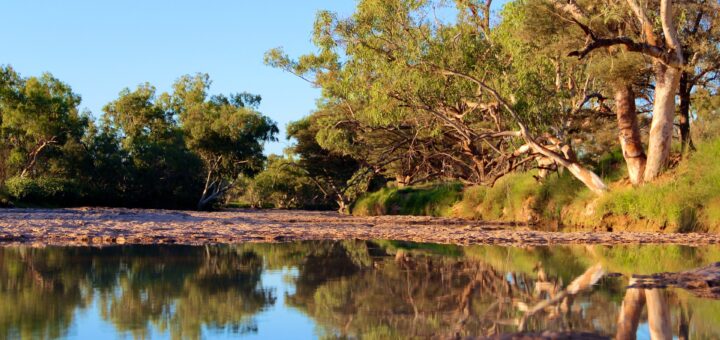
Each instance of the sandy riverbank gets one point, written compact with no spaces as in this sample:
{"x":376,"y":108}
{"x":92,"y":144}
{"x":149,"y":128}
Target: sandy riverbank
{"x":100,"y":226}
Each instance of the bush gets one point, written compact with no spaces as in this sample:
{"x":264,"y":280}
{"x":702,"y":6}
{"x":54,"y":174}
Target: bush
{"x":44,"y":190}
{"x":431,"y":200}
{"x":505,"y":200}
{"x":5,"y":200}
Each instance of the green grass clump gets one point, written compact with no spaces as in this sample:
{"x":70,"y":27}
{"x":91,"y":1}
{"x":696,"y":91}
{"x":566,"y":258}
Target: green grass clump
{"x":506,"y":198}
{"x":430,"y":200}
{"x":514,"y":194}
{"x":686,"y":199}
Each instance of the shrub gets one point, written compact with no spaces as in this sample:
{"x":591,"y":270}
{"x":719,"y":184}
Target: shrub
{"x":44,"y":190}
{"x":505,"y":200}
{"x":5,"y":201}
{"x":431,"y":200}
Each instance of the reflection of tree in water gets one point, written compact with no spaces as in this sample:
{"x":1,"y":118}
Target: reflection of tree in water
{"x":177,"y":289}
{"x":350,"y":288}
{"x":183,"y":291}
{"x":38,"y":293}
{"x":423,"y":295}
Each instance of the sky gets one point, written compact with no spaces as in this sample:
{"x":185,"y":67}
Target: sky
{"x":101,"y":47}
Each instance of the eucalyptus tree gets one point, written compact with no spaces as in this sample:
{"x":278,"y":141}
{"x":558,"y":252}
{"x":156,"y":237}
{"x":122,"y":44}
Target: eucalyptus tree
{"x":331,"y":171}
{"x":39,"y":120}
{"x":162,"y":171}
{"x":393,"y":65}
{"x":536,"y":38}
{"x":227,"y":132}
{"x":651,"y":31}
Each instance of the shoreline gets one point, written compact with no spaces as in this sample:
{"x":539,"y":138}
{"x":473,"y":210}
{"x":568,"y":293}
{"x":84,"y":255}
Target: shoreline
{"x":120,"y":226}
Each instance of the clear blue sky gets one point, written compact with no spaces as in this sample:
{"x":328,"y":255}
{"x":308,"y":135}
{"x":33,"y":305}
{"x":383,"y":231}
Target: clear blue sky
{"x":100,"y":47}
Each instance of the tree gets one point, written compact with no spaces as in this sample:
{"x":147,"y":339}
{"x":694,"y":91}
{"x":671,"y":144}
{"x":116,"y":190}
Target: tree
{"x":226,"y":132}
{"x":668,"y":61}
{"x":284,"y":184}
{"x":700,"y":33}
{"x":445,"y":81}
{"x":39,"y":121}
{"x":162,"y":169}
{"x":338,"y":176}
{"x":538,"y":39}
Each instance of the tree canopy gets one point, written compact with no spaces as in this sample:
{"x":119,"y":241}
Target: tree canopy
{"x":180,"y":149}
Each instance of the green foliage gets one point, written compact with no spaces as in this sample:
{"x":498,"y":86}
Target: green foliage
{"x":224,"y":129}
{"x":40,"y":125}
{"x":431,"y":200}
{"x":4,"y":198}
{"x":510,"y":198}
{"x":336,"y":174}
{"x":284,"y":184}
{"x":685,"y":200}
{"x":147,"y":150}
{"x":44,"y":190}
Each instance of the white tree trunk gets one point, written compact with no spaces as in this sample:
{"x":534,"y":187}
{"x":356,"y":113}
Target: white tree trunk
{"x":667,"y":79}
{"x":661,"y":128}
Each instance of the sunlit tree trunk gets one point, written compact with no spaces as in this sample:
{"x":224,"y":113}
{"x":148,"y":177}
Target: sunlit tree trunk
{"x":661,"y":128}
{"x":630,"y":142}
{"x":667,"y":79}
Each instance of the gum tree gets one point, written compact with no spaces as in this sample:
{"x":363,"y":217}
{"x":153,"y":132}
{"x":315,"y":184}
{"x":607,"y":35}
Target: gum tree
{"x":227,"y":132}
{"x":394,"y":65}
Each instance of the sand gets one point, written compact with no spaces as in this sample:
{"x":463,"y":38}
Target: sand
{"x":105,"y":226}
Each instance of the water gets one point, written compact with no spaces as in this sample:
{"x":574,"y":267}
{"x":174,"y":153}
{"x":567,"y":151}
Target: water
{"x":355,"y":289}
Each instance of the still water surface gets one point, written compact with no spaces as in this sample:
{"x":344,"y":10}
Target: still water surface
{"x":355,"y":289}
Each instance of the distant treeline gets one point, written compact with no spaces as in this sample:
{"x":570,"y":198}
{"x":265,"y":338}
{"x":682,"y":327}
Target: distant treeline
{"x":183,"y":149}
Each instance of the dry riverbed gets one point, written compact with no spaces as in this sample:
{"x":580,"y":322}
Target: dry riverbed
{"x":100,"y":226}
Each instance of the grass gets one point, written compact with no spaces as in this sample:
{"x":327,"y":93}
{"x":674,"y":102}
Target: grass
{"x":685,"y":199}
{"x":506,"y":200}
{"x":431,"y":200}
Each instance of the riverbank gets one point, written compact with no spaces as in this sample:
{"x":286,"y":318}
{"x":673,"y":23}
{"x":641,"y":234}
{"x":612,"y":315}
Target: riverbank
{"x":684,"y":199}
{"x":104,"y":226}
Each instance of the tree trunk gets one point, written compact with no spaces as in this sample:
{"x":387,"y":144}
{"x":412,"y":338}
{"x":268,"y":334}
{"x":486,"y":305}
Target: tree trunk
{"x":661,"y":128}
{"x":658,"y":314}
{"x":630,"y":311}
{"x":684,"y":118}
{"x":343,"y":204}
{"x":589,"y":178}
{"x":666,"y":85}
{"x":402,"y":180}
{"x":630,"y":142}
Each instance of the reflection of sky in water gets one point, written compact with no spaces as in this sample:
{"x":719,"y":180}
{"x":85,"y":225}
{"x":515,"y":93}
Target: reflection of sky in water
{"x":88,"y":324}
{"x":643,"y":331}
{"x":276,"y":322}
{"x":280,"y":321}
